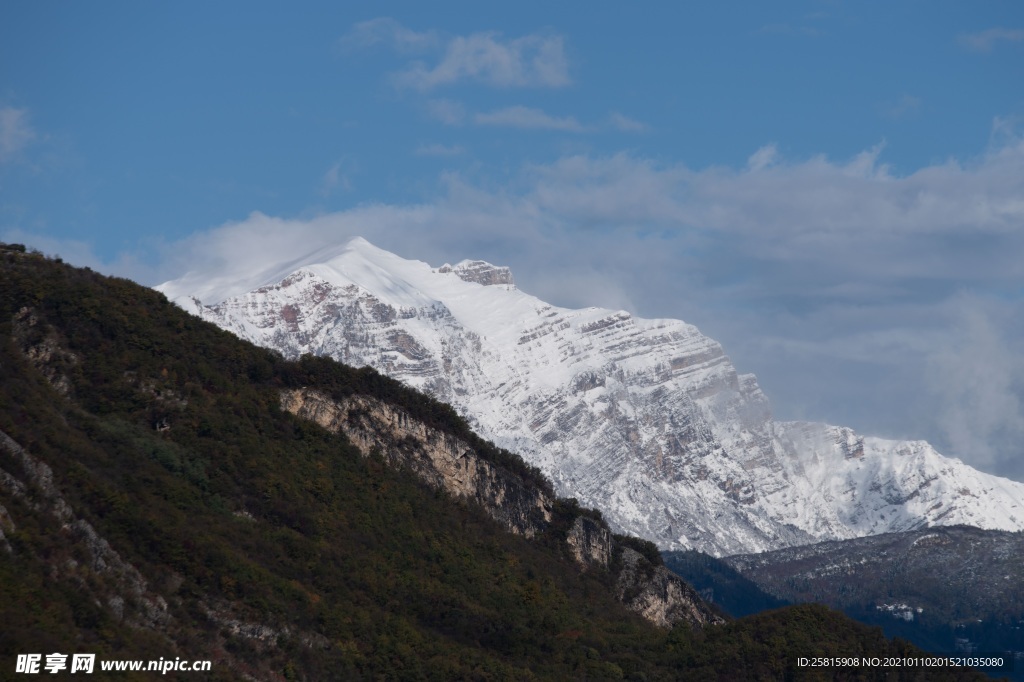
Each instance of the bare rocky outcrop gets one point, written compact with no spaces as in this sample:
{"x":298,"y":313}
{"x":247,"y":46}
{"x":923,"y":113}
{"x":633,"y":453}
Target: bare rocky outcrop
{"x":449,"y":464}
{"x":6,"y":525}
{"x":41,"y":346}
{"x":654,"y":592}
{"x":481,"y":272}
{"x":266,"y":635}
{"x":590,"y":542}
{"x":443,"y":461}
{"x":133,"y":601}
{"x":659,"y":595}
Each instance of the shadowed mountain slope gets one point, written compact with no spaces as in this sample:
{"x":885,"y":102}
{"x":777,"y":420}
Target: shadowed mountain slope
{"x":946,"y":589}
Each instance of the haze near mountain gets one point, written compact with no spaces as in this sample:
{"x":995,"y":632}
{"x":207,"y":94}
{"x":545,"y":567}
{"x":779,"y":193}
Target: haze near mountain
{"x":646,"y":420}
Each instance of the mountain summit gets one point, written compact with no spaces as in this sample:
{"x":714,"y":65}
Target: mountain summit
{"x":647,"y":420}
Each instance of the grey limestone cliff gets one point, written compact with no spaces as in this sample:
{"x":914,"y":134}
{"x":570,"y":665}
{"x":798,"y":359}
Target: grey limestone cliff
{"x":448,"y":463}
{"x":439,"y":459}
{"x":659,"y":595}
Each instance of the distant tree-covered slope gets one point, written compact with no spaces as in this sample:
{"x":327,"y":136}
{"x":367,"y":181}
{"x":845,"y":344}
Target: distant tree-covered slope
{"x":721,"y":584}
{"x":156,"y":501}
{"x":945,"y":588}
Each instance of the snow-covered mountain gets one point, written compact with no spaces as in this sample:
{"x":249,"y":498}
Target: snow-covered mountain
{"x":646,"y":420}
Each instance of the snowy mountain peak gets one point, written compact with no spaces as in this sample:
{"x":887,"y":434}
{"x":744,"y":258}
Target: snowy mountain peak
{"x":223,"y":280}
{"x":646,"y":420}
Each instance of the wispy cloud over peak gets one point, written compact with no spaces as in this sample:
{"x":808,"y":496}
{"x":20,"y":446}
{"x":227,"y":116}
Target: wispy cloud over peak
{"x":985,"y":41}
{"x":338,"y":176}
{"x":535,"y":60}
{"x":16,"y":132}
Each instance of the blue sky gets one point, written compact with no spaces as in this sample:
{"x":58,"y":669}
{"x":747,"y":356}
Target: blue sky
{"x":834,"y":190}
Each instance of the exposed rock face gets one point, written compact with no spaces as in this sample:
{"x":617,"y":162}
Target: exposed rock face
{"x":481,"y":272}
{"x":449,"y":464}
{"x":646,"y":420}
{"x":135,"y":602}
{"x":590,"y":542}
{"x":659,"y":595}
{"x":40,"y":344}
{"x":263,"y":635}
{"x":442,"y":461}
{"x":6,"y":525}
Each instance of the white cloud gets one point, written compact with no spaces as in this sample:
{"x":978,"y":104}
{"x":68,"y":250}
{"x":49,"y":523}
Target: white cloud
{"x":453,"y":113}
{"x":762,"y":158}
{"x":985,"y":41}
{"x":977,"y":379}
{"x":76,"y":251}
{"x":338,"y":176}
{"x":437,"y":149}
{"x":838,"y":282}
{"x":386,"y":31}
{"x":446,"y":111}
{"x":16,"y":132}
{"x":1005,"y":131}
{"x":814,"y":228}
{"x":905,"y":106}
{"x":535,"y":60}
{"x":528,"y":117}
{"x":626,"y":124}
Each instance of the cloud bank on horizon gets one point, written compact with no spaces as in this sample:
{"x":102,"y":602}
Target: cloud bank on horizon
{"x":818,"y":262}
{"x":858,"y":249}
